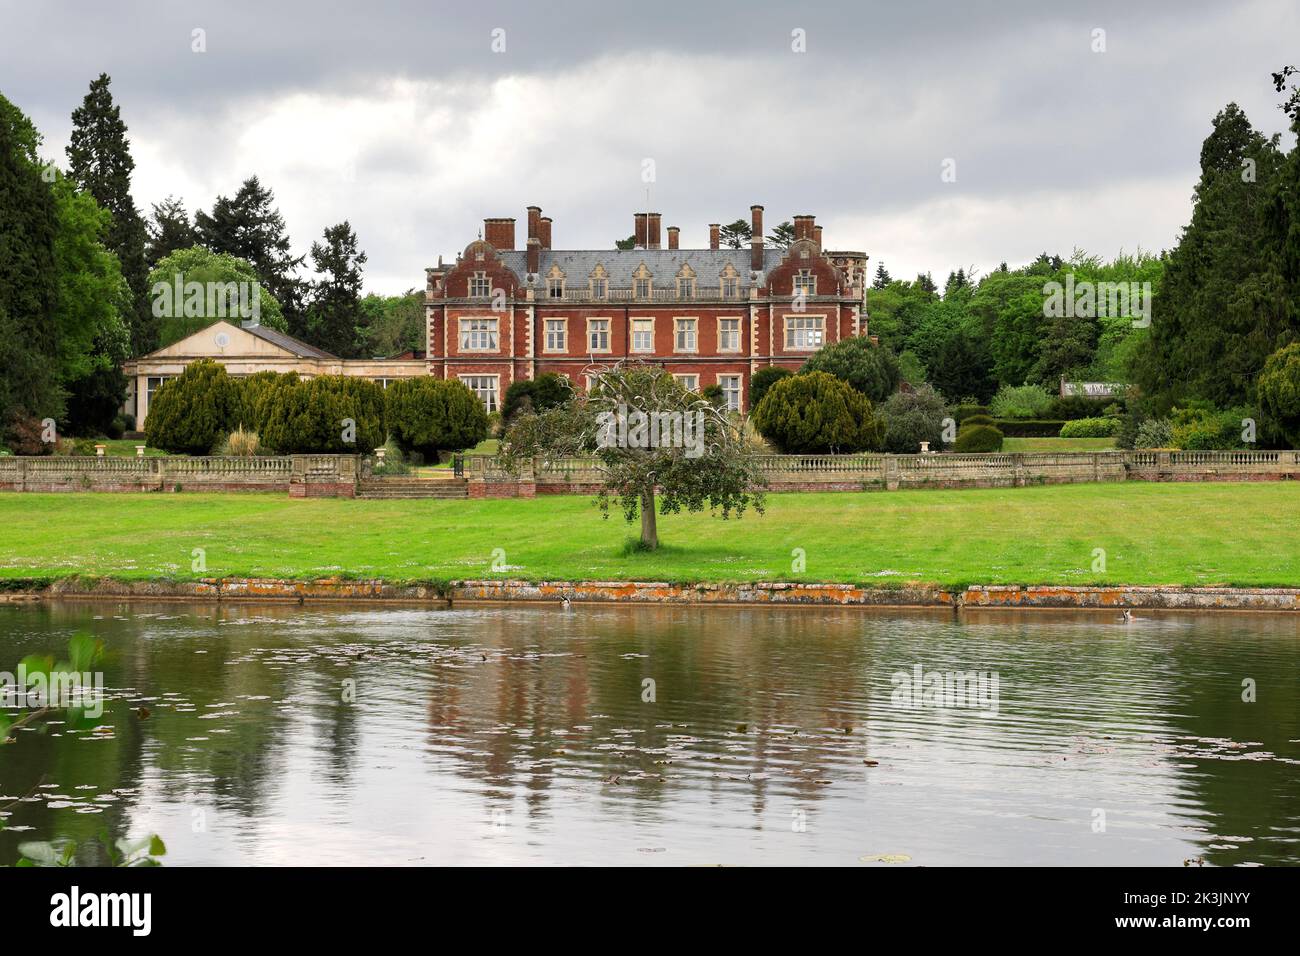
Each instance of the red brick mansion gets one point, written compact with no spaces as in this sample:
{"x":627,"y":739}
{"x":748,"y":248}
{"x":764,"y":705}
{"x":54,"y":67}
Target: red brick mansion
{"x":712,"y":316}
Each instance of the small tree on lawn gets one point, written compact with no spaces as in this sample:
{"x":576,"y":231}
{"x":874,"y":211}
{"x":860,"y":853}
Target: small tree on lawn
{"x":658,"y":447}
{"x":195,"y":411}
{"x":430,"y":415}
{"x":815,"y":413}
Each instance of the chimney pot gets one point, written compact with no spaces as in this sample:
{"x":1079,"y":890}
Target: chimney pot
{"x":673,"y":233}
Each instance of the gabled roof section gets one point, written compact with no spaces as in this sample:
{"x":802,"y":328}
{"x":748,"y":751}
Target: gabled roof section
{"x":225,"y":338}
{"x":287,"y":342}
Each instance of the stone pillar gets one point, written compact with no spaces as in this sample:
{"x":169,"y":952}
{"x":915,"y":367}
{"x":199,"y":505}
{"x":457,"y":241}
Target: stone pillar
{"x":891,"y":472}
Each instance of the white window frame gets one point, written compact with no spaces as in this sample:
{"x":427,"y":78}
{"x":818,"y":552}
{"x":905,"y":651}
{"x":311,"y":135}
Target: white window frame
{"x":599,"y":287}
{"x":691,"y":380}
{"x":685,"y":287}
{"x":490,"y":397}
{"x":740,"y":328}
{"x":649,"y":287}
{"x":555,"y":287}
{"x":608,"y":332}
{"x":738,"y":390}
{"x":806,"y":280}
{"x":680,"y":326}
{"x":467,"y":334}
{"x":729,"y":287}
{"x":635,"y":332}
{"x":476,"y":282}
{"x":812,"y":327}
{"x":563,"y":332}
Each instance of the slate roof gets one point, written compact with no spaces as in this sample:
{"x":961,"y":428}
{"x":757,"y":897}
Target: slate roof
{"x":664,"y":264}
{"x":288,"y":342}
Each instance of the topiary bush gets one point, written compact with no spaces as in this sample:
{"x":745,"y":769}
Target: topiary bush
{"x":192,"y":413}
{"x":258,"y":396}
{"x":978,"y":439}
{"x":1070,"y":407}
{"x":331,"y":414}
{"x":816,"y":413}
{"x":1021,"y":401}
{"x":977,"y":420}
{"x":871,"y":369}
{"x":548,"y":390}
{"x":1090,"y":428}
{"x":764,"y":379}
{"x":429,"y":415}
{"x":1028,"y":427}
{"x":906,"y":419}
{"x":962,"y":412}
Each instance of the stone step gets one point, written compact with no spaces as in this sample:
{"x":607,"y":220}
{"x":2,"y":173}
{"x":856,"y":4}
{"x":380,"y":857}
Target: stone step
{"x":412,"y":488}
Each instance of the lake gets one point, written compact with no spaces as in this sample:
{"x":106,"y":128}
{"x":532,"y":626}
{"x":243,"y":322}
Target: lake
{"x":276,"y":734}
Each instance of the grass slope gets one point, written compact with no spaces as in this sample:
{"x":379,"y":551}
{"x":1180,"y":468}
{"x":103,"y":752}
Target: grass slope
{"x":1232,"y":534}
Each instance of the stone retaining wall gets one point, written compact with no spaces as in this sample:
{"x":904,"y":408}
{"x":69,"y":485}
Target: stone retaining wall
{"x":1013,"y":597}
{"x":299,"y":475}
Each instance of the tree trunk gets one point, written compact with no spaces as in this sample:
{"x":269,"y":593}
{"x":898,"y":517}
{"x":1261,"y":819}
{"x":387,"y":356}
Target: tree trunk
{"x":649,"y":532}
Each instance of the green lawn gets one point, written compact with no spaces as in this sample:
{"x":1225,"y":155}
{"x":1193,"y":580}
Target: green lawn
{"x":1193,"y":533}
{"x":1010,"y":445}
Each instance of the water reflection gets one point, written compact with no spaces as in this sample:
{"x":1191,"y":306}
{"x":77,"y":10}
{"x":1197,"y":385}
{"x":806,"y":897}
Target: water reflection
{"x":280,"y":734}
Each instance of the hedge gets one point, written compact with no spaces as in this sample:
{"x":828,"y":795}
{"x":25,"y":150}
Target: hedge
{"x":1029,"y":427}
{"x":331,"y":414}
{"x":1090,"y":428}
{"x":963,"y":412}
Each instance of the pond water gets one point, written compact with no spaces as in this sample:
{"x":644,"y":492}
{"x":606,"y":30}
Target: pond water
{"x":666,"y":735}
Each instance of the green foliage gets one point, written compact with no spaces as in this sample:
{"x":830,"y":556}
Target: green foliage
{"x":965,"y":411}
{"x":1154,"y":433}
{"x":391,"y":324}
{"x":1069,"y":407}
{"x":1023,"y":401}
{"x":169,"y":230}
{"x":334,"y":309}
{"x":194,"y":412}
{"x":1090,"y":428}
{"x":871,"y":369}
{"x":764,"y":379}
{"x":906,"y":419}
{"x":329,"y":414}
{"x":910,"y":368}
{"x":1201,"y":427}
{"x":258,"y":396}
{"x":976,"y":420}
{"x":978,"y":439}
{"x":816,"y":413}
{"x":548,"y":390}
{"x":1029,"y":427}
{"x":143,"y":851}
{"x":1279,"y":392}
{"x":179,"y":316}
{"x":429,"y":415}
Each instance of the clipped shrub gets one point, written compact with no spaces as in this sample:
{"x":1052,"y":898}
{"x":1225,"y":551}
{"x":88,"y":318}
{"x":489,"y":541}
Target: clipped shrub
{"x":871,"y":369}
{"x":906,"y":419}
{"x":962,"y":412}
{"x":548,"y":390}
{"x":332,"y":414}
{"x":259,"y":391}
{"x":816,"y":413}
{"x":764,"y":379}
{"x":1021,"y":401}
{"x":1071,"y":407}
{"x":430,"y":415}
{"x":976,"y":420}
{"x":1154,"y":433}
{"x":193,"y":412}
{"x":978,"y":439}
{"x":1028,"y":428}
{"x":1090,"y":428}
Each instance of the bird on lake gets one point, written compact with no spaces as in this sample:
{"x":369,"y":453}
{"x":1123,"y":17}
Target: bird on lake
{"x":1127,"y":616}
{"x":566,"y":603}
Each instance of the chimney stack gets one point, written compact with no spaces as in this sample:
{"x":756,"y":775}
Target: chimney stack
{"x":534,"y":255}
{"x":817,"y":237}
{"x":534,"y":218}
{"x":641,"y":228}
{"x":756,"y":241}
{"x":652,"y":235}
{"x":499,"y":233}
{"x":803,"y":227}
{"x":544,"y":232}
{"x":715,"y":235}
{"x":673,"y":233}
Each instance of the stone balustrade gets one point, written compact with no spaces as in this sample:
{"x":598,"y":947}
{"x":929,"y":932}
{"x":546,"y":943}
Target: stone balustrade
{"x":299,"y":475}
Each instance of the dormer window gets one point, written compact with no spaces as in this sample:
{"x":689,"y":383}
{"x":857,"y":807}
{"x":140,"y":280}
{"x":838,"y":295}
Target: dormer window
{"x":599,"y":282}
{"x":480,"y":286}
{"x":805,"y":282}
{"x":555,"y":283}
{"x":642,"y":286}
{"x":685,"y":288}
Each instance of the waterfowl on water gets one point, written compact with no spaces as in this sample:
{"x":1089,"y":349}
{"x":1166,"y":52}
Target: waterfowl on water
{"x":1126,"y":616}
{"x":566,"y":603}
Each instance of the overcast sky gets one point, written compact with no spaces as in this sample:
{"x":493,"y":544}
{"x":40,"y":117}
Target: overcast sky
{"x":401,"y":118}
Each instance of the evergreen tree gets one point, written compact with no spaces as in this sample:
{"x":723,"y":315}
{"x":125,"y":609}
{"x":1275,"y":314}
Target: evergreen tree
{"x":169,"y":230}
{"x":249,"y":226}
{"x":735,"y":235}
{"x":925,"y":283}
{"x":882,"y":276}
{"x":781,"y":236}
{"x":100,"y":163}
{"x":333,"y":317}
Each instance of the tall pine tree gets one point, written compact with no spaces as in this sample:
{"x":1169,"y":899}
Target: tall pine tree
{"x":170,"y":230}
{"x":100,"y":163}
{"x":334,"y":314}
